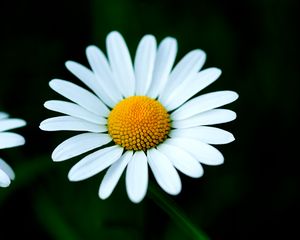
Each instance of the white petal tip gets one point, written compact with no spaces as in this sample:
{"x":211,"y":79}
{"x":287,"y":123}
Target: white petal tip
{"x":234,"y":115}
{"x":170,"y":39}
{"x":42,"y":126}
{"x":53,"y":82}
{"x":113,"y":34}
{"x":175,"y":191}
{"x":4,"y":184}
{"x":198,"y":54}
{"x":22,"y":122}
{"x":12,"y":175}
{"x":46,"y":104}
{"x":5,"y":180}
{"x":219,"y":162}
{"x":235,"y":95}
{"x":73,"y":178}
{"x":103,"y":194}
{"x":136,"y":200}
{"x":22,"y":141}
{"x":231,"y":138}
{"x":19,"y":123}
{"x":56,"y":158}
{"x":72,"y":175}
{"x":216,"y":71}
{"x":199,"y":175}
{"x":200,"y":51}
{"x":149,"y":37}
{"x":90,"y":49}
{"x":69,"y":64}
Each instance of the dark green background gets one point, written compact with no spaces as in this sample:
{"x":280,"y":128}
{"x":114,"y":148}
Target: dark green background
{"x":254,"y":195}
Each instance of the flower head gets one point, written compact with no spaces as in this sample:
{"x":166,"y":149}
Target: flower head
{"x":8,"y":140}
{"x":140,"y":114}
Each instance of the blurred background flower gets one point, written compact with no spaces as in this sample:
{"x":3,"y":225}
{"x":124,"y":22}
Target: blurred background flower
{"x":9,"y":140}
{"x":253,"y":195}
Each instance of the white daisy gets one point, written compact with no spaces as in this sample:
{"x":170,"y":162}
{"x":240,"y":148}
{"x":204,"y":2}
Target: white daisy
{"x":140,"y":114}
{"x":8,"y":140}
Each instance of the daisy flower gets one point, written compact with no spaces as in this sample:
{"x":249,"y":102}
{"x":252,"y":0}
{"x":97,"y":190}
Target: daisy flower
{"x":139,"y":114}
{"x":8,"y":140}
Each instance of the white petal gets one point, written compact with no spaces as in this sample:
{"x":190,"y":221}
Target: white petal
{"x":164,"y":61}
{"x":4,"y":179}
{"x":190,"y":87}
{"x":84,"y":74}
{"x":79,"y":144}
{"x":3,"y":115}
{"x":80,"y":96}
{"x":7,"y":124}
{"x":113,"y":175}
{"x":210,"y":117}
{"x":210,"y":135}
{"x":165,"y":174}
{"x":186,"y":68}
{"x":7,"y":169}
{"x":144,"y":64}
{"x":89,"y":79}
{"x":8,"y":140}
{"x":74,"y":110}
{"x":203,"y":152}
{"x":137,"y":177}
{"x":120,"y":63}
{"x":67,"y":123}
{"x":103,"y":72}
{"x":182,"y":160}
{"x":203,"y":103}
{"x":94,"y":163}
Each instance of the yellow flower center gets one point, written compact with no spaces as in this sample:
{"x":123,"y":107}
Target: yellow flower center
{"x":138,"y":123}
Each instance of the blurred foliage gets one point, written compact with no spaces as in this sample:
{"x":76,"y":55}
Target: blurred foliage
{"x":254,"y":195}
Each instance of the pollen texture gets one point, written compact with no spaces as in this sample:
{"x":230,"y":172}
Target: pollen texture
{"x":138,"y":123}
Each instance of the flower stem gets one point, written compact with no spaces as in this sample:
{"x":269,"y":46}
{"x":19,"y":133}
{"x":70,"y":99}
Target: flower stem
{"x":176,"y":214}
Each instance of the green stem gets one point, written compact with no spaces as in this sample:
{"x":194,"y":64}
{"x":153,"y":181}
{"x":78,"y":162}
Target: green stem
{"x":176,"y":214}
